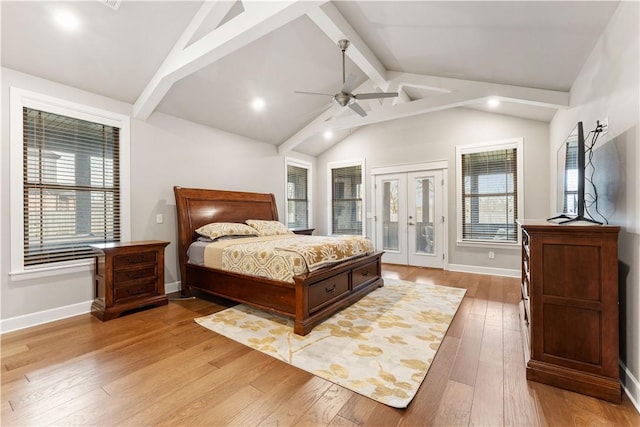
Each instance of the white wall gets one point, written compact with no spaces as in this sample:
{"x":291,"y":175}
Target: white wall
{"x":607,"y":86}
{"x":433,"y":137}
{"x":165,"y":151}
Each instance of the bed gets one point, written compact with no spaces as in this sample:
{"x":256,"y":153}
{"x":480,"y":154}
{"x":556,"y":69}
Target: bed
{"x":308,"y":299}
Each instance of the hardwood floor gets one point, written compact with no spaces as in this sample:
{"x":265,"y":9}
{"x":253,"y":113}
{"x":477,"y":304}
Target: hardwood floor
{"x":158,"y":367}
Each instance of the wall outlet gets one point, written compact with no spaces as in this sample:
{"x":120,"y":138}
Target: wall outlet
{"x":159,"y":218}
{"x":492,"y":255}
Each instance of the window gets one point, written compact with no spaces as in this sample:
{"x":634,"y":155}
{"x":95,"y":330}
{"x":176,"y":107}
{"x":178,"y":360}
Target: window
{"x":68,"y":184}
{"x":298,"y":194}
{"x":346,"y":198}
{"x":489,"y":191}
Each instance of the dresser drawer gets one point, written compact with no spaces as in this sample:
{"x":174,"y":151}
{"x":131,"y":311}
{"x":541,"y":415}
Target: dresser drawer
{"x":126,"y":260}
{"x":124,"y":276}
{"x":322,"y":293}
{"x":135,"y":290}
{"x":365,"y":274}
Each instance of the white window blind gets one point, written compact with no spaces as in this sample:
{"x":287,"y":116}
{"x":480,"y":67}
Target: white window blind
{"x":489,"y":195}
{"x":346,"y":200}
{"x":71,"y":186}
{"x":297,"y":197}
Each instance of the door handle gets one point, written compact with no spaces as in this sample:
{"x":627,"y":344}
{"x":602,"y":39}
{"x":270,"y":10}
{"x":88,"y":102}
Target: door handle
{"x":412,"y":223}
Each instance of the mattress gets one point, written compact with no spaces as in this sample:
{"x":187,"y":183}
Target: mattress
{"x":278,"y":257}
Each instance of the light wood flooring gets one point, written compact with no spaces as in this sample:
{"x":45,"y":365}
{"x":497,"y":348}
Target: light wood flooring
{"x":158,"y":367}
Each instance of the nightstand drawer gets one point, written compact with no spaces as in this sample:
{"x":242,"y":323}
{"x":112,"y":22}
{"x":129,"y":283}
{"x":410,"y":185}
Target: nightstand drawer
{"x":123,"y":292}
{"x":133,"y":259}
{"x":124,"y":276}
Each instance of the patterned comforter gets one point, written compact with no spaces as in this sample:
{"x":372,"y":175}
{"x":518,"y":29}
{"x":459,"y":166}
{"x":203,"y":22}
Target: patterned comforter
{"x":284,"y":256}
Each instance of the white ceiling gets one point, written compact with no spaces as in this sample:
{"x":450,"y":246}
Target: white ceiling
{"x":206,"y":61}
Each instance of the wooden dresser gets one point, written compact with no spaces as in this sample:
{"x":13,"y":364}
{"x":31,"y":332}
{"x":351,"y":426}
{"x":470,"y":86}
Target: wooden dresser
{"x":128,"y":276}
{"x":570,"y":306}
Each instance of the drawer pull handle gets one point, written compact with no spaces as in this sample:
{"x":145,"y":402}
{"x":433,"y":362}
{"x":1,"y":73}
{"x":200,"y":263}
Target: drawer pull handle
{"x":365,"y":273}
{"x":135,"y":274}
{"x":327,"y":290}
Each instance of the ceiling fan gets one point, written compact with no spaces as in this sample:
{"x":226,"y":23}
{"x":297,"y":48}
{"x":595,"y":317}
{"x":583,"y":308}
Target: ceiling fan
{"x":345,"y":97}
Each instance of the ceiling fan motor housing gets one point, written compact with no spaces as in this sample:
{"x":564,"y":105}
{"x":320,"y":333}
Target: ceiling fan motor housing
{"x":343,"y":99}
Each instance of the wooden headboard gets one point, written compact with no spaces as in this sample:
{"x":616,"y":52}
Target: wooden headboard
{"x":196,"y":207}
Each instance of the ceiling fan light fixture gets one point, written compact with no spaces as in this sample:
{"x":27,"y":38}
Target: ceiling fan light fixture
{"x":345,"y":98}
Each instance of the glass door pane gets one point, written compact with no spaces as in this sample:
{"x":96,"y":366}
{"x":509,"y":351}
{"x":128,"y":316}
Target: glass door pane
{"x":425,"y":215}
{"x":390,"y":215}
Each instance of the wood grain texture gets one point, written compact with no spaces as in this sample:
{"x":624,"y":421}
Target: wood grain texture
{"x":573,"y":302}
{"x":158,"y":367}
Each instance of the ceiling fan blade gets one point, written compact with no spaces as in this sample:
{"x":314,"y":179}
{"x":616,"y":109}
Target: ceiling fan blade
{"x":357,"y":108}
{"x":375,"y":95}
{"x":311,"y":93}
{"x":350,"y":84}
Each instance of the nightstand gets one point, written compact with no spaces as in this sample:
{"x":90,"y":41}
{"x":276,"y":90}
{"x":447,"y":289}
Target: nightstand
{"x":128,"y":275}
{"x":307,"y":231}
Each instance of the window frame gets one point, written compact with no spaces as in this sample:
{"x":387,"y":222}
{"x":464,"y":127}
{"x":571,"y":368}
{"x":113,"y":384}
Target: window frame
{"x":510,"y":143}
{"x":339,"y":165}
{"x":309,"y":167}
{"x":20,"y":98}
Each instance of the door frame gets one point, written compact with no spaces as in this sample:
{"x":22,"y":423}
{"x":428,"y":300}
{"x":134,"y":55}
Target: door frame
{"x":442,"y":165}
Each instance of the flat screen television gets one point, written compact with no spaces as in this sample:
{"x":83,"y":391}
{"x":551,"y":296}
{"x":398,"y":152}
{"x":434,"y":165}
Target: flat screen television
{"x":571,"y":179}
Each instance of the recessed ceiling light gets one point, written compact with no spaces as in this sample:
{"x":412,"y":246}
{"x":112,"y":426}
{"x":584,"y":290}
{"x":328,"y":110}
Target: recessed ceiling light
{"x":328,"y":134}
{"x":258,"y":104}
{"x":66,"y":20}
{"x":493,"y":102}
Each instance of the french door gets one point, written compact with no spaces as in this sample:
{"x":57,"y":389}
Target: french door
{"x":409,"y":219}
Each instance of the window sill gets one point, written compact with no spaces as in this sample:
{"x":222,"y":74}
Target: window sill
{"x":489,"y":244}
{"x":58,"y":269}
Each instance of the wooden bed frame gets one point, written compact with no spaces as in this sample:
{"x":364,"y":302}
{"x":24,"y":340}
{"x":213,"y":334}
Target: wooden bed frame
{"x":311,"y":299}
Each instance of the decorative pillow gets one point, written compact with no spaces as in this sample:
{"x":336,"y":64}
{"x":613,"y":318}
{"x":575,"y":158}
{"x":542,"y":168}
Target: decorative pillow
{"x":268,"y":228}
{"x":220,"y":229}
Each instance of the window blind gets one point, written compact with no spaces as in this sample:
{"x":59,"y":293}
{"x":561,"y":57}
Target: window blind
{"x":489,"y":195}
{"x":297,"y":197}
{"x":346,"y":205}
{"x":71,"y":186}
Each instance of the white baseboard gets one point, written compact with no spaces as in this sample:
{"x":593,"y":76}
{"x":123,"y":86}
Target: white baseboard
{"x":172,"y":287}
{"x":630,"y":385}
{"x":59,"y":313}
{"x":46,"y":316}
{"x":484,"y":270}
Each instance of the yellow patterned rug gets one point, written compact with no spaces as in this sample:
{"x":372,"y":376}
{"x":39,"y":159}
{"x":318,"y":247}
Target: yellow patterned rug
{"x":380,"y":347}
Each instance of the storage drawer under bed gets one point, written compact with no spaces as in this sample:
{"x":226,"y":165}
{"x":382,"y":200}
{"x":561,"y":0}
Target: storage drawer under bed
{"x":364,"y":274}
{"x":323,"y":293}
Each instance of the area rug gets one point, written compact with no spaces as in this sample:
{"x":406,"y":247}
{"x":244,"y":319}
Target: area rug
{"x":380,"y":347}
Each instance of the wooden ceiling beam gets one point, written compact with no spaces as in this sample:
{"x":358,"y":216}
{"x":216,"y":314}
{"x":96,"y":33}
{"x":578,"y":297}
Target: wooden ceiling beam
{"x":519,"y":94}
{"x":333,"y":24}
{"x":258,"y":19}
{"x":448,"y":93}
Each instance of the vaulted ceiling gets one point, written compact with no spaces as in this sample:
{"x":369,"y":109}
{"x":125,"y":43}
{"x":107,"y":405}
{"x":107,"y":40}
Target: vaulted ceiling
{"x":207,"y":61}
